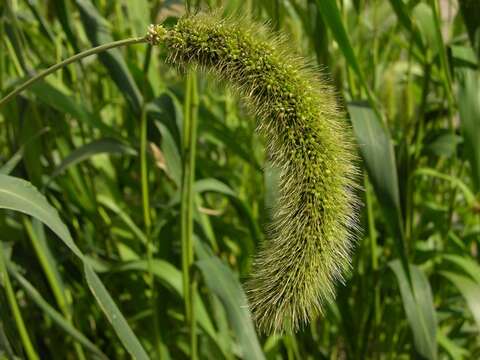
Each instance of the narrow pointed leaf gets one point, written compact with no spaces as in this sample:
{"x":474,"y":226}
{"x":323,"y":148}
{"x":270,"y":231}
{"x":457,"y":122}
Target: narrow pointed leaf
{"x":418,"y":305}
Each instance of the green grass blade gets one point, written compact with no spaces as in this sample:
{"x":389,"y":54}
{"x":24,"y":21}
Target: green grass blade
{"x":332,"y":17}
{"x":111,"y":205}
{"x":467,"y":193}
{"x":19,"y":195}
{"x":171,"y":277}
{"x":470,"y":10}
{"x":418,"y":305}
{"x":10,"y":165}
{"x":84,"y":152}
{"x":98,"y":32}
{"x":455,"y":351}
{"x":469,"y":108}
{"x":7,"y":348}
{"x":58,"y":97}
{"x":132,"y":344}
{"x":223,"y":283}
{"x":173,"y":159}
{"x":422,"y":16}
{"x":378,"y":155}
{"x":55,"y":315}
{"x":15,"y":309}
{"x":139,"y":15}
{"x":65,"y":19}
{"x":470,"y":290}
{"x":213,"y":185}
{"x":36,"y":232}
{"x":404,"y":18}
{"x":467,"y":264}
{"x":235,"y":141}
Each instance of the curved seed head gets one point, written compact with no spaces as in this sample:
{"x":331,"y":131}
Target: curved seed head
{"x":308,"y":140}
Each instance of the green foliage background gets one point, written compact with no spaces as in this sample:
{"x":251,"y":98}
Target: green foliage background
{"x":110,"y":141}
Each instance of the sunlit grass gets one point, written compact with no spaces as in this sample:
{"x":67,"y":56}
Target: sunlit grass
{"x":109,"y":142}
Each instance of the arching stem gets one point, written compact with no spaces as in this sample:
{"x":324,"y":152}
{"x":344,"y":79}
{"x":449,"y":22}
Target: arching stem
{"x":68,"y":61}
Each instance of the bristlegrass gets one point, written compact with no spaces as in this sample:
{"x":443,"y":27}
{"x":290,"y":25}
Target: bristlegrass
{"x":308,"y":140}
{"x":408,"y":71}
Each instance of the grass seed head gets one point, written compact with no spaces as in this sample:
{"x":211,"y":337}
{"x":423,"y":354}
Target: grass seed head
{"x":308,"y":139}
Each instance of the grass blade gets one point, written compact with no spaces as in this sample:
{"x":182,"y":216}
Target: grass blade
{"x":223,"y":283}
{"x":471,"y":14}
{"x":404,"y":18}
{"x":19,"y":195}
{"x":418,"y":305}
{"x":171,"y":277}
{"x":114,"y":315}
{"x":84,"y":152}
{"x":332,"y":17}
{"x":53,"y":314}
{"x":469,"y":108}
{"x":470,"y":290}
{"x":97,"y":29}
{"x":59,"y":98}
{"x":378,"y":155}
{"x":15,"y":309}
{"x":173,"y":159}
{"x":467,"y":264}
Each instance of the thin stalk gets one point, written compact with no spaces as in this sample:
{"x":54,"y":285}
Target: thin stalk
{"x":17,"y":315}
{"x":144,"y":171}
{"x":184,"y":199}
{"x":68,"y":61}
{"x":148,"y":224}
{"x":372,"y":233}
{"x":2,"y":57}
{"x":187,"y":203}
{"x":446,"y":77}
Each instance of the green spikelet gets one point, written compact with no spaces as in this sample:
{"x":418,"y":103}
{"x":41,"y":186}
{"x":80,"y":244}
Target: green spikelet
{"x":308,"y":139}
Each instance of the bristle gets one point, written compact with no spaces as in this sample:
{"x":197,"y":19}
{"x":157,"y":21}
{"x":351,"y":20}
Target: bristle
{"x":308,"y":140}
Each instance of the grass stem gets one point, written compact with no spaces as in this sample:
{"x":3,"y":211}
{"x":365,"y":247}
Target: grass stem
{"x":17,"y":316}
{"x":148,"y":224}
{"x":187,"y":203}
{"x":79,"y":56}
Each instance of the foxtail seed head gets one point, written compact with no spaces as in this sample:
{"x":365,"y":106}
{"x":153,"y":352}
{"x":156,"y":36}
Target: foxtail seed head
{"x":308,"y":139}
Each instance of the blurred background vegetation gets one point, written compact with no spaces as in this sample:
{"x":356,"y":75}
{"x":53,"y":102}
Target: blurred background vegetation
{"x":109,"y":141}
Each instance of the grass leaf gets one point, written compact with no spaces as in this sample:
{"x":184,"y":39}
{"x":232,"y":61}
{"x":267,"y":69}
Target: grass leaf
{"x":378,"y":155}
{"x":98,"y":33}
{"x":19,"y":195}
{"x":222,"y":282}
{"x":470,"y":290}
{"x":469,"y":108}
{"x":54,"y":314}
{"x":114,"y":315}
{"x":418,"y":305}
{"x":84,"y":152}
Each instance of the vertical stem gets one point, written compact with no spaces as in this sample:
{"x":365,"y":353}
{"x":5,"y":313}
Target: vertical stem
{"x":187,"y":203}
{"x":12,"y":301}
{"x":372,"y":233}
{"x":445,"y":74}
{"x":184,"y":199}
{"x":144,"y":171}
{"x":148,"y":223}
